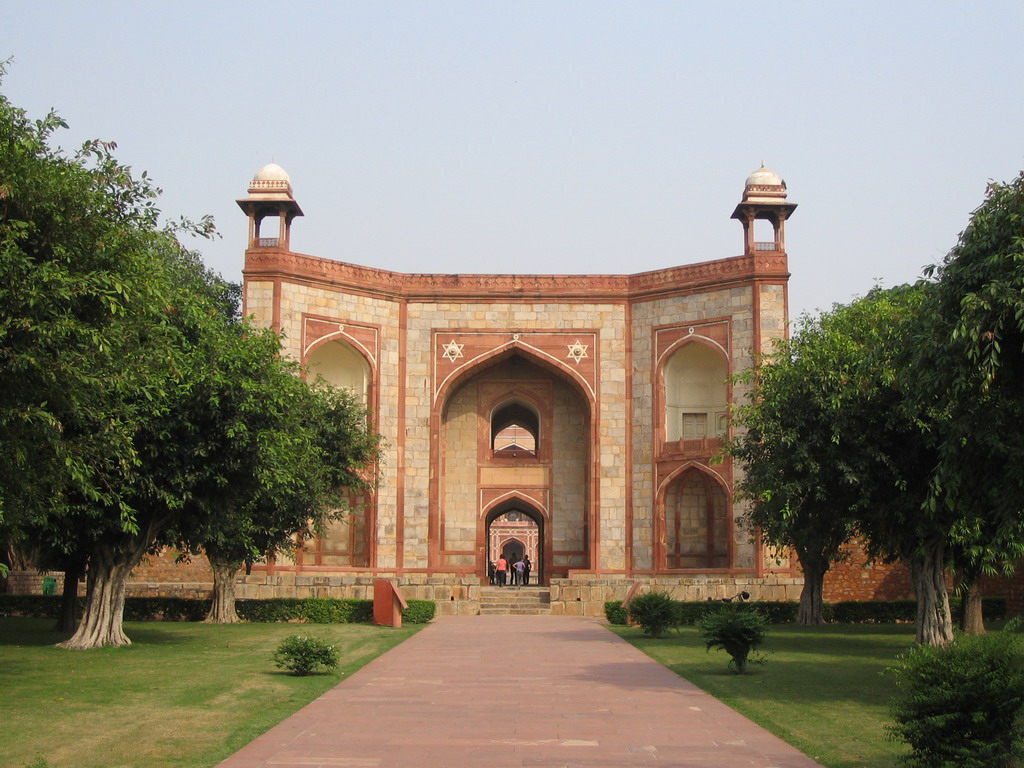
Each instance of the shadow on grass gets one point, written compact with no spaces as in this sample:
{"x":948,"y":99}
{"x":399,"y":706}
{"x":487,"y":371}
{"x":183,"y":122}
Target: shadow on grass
{"x":21,"y":631}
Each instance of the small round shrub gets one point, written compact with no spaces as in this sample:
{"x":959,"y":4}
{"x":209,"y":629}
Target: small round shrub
{"x":301,"y":655}
{"x":735,"y":630}
{"x":654,"y":612}
{"x":614,"y":612}
{"x":962,"y":705}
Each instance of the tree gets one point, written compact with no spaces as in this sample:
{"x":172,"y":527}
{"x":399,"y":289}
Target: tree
{"x":813,"y":441}
{"x":88,"y":298}
{"x":290,"y":455}
{"x":969,"y":367}
{"x":794,"y":467}
{"x":75,"y":266}
{"x":117,"y":345}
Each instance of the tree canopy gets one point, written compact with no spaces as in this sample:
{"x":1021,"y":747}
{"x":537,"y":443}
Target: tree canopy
{"x":811,"y":437}
{"x":899,"y":417}
{"x":135,"y":407}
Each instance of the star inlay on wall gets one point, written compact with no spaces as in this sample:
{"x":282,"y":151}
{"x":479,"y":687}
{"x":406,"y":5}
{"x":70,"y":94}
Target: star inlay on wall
{"x":452,"y":351}
{"x":578,"y":351}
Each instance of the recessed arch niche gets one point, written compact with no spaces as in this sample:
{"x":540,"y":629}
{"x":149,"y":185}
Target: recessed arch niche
{"x":340,"y":364}
{"x":348,"y":543}
{"x":696,"y":393}
{"x":515,"y":429}
{"x":696,"y":522}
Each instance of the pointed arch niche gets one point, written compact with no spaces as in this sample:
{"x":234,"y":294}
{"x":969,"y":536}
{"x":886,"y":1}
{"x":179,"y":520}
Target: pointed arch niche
{"x":349,"y":543}
{"x":695,"y":522}
{"x":696,"y":393}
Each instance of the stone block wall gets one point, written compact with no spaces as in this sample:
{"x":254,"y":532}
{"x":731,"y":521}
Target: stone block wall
{"x":584,"y":596}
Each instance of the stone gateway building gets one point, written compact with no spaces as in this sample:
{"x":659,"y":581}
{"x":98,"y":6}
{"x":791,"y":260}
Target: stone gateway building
{"x":571,"y":418}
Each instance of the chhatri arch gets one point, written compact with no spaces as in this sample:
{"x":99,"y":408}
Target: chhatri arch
{"x":620,"y":379}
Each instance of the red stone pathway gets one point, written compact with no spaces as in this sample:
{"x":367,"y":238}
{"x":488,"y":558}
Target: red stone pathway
{"x":523,"y":691}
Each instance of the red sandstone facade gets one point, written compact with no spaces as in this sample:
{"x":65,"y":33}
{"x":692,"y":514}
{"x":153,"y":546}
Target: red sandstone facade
{"x":619,"y":382}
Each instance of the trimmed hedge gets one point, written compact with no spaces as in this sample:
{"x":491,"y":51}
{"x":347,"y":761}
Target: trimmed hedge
{"x":310,"y":610}
{"x":688,"y":613}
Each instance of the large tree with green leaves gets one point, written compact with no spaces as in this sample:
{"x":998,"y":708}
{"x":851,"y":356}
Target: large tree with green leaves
{"x":79,"y":279}
{"x":969,"y":367}
{"x":290,"y":456}
{"x":119,"y":415}
{"x":812,"y":437}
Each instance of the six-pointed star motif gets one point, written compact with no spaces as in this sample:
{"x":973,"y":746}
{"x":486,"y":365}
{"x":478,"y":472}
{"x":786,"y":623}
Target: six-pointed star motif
{"x":578,"y":351}
{"x":452,"y":351}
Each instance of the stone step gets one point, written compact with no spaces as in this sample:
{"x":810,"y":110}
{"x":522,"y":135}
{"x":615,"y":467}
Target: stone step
{"x":492,"y":611}
{"x":515,"y":600}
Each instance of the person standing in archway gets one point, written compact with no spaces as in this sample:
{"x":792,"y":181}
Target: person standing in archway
{"x":526,"y":570}
{"x":519,"y":566}
{"x":501,"y":569}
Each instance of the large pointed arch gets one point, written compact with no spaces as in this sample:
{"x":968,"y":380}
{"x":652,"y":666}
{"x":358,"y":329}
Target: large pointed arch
{"x":450,"y":479}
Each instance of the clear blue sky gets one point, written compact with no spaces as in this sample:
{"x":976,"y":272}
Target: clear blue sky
{"x":550,"y":137}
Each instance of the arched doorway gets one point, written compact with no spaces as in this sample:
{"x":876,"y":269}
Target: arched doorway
{"x":514,"y":430}
{"x":515,"y":529}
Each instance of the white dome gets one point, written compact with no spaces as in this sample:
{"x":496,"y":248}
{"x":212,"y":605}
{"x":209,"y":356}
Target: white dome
{"x":763,"y":177}
{"x":272,"y":172}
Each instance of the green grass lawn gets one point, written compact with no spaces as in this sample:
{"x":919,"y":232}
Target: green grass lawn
{"x":184,"y":695}
{"x":821,"y":689}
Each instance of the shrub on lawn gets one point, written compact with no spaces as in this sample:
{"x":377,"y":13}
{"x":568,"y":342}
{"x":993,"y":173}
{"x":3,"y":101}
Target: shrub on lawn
{"x":614,"y":612}
{"x":734,"y":629}
{"x":654,"y":612}
{"x":962,"y":705}
{"x":301,"y":655}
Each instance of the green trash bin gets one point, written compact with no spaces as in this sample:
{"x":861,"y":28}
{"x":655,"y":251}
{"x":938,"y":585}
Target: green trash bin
{"x":49,"y":585}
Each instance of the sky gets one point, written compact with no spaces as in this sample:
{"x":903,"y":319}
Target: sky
{"x":554,"y":137}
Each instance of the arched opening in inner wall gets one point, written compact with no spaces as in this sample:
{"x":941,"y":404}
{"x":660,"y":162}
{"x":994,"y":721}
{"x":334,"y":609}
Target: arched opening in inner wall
{"x":515,"y":531}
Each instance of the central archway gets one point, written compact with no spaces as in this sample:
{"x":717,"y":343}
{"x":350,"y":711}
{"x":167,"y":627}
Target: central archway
{"x":513,"y":427}
{"x":515,"y":528}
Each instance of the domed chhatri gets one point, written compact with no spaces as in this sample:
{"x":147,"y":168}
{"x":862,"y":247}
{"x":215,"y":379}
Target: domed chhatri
{"x":270,"y":196}
{"x":764,"y":198}
{"x":765,"y":177}
{"x":272,"y":172}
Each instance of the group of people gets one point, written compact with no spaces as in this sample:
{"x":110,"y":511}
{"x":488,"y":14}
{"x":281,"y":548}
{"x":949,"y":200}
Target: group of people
{"x":510,"y":571}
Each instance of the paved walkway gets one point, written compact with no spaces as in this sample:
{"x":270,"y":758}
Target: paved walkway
{"x":522,"y":691}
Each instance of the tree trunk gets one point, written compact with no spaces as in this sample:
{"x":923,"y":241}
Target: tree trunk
{"x":974,"y":621}
{"x":67,"y":620}
{"x":102,"y":620}
{"x":928,"y":572}
{"x":811,"y":612}
{"x":222,"y":609}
